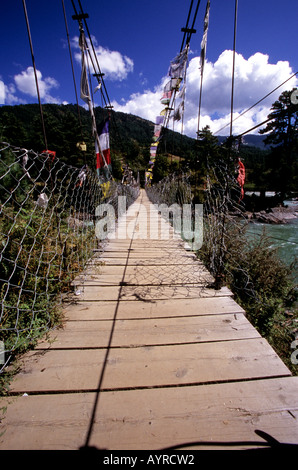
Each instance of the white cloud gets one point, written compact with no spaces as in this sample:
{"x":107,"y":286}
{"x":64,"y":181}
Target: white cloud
{"x":255,"y":77}
{"x":146,"y":105}
{"x":7,"y":94}
{"x":113,"y":64}
{"x":25,"y":82}
{"x":10,"y":95}
{"x":2,"y":92}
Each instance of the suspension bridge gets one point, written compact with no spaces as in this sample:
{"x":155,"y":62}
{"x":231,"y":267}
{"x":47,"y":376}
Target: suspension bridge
{"x":151,"y":352}
{"x":150,"y":357}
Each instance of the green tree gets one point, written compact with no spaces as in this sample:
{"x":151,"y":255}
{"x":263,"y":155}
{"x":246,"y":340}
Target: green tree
{"x":207,"y":156}
{"x":11,"y":130}
{"x":282,"y":136}
{"x":207,"y":145}
{"x":161,"y":168}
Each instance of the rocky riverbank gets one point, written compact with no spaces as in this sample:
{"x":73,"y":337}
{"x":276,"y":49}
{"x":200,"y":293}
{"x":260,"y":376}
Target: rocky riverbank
{"x":276,"y":215}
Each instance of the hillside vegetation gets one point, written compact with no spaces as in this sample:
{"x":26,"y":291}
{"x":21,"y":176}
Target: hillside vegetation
{"x":130,"y":139}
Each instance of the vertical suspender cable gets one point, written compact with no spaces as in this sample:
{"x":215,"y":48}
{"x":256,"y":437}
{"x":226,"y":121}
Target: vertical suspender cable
{"x":233,"y":70}
{"x":72,"y":67}
{"x":69,"y":48}
{"x":41,"y":115}
{"x":104,"y":93}
{"x":188,"y":17}
{"x":96,"y":59}
{"x":193,"y":22}
{"x":35,"y":75}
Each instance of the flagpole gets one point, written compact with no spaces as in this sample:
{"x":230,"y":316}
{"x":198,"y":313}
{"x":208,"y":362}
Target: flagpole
{"x":200,"y":101}
{"x":203,"y":53}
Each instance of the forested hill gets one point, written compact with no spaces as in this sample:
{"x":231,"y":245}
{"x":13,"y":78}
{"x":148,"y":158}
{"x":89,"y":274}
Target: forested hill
{"x":130,"y":136}
{"x":130,"y":140}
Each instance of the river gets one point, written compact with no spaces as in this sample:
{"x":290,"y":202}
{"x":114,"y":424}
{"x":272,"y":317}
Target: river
{"x":283,"y":237}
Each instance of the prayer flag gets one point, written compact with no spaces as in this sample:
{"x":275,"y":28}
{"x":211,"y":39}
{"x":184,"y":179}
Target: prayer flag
{"x":204,"y":40}
{"x":175,"y":83}
{"x":104,"y":142}
{"x":50,"y":153}
{"x":178,"y":112}
{"x":159,"y":119}
{"x":165,"y":99}
{"x":97,"y":88}
{"x":241,"y":177}
{"x":177,"y":66}
{"x":85,"y":91}
{"x":168,"y":86}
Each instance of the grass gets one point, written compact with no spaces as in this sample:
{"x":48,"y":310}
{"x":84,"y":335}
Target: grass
{"x":262,"y":284}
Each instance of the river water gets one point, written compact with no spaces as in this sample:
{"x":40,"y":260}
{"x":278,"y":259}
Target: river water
{"x":284,"y":237}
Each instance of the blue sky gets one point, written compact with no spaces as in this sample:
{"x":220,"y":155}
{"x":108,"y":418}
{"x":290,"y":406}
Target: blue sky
{"x":136,"y":40}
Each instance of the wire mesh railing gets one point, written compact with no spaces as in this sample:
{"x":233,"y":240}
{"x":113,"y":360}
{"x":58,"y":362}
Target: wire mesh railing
{"x":47,"y":235}
{"x":252,"y":268}
{"x":223,"y":209}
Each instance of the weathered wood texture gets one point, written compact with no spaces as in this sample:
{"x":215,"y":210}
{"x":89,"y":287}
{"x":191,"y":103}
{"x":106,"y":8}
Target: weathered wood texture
{"x":150,"y":356}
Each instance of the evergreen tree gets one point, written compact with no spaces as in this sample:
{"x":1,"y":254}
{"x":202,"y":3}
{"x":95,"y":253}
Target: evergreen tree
{"x":208,"y":148}
{"x":282,"y":136}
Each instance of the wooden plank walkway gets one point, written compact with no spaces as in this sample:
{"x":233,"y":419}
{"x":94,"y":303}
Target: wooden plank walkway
{"x":150,"y":357}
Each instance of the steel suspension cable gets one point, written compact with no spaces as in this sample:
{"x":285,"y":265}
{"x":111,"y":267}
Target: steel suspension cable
{"x":96,"y":59}
{"x":35,"y":74}
{"x":233,"y":70}
{"x":193,"y":22}
{"x":187,"y":22}
{"x":79,"y":17}
{"x":258,"y":102}
{"x":72,"y":67}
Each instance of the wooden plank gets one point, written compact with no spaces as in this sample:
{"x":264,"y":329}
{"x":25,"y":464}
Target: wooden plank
{"x":142,"y":230}
{"x":158,"y":331}
{"x":155,"y":419}
{"x":102,"y":275}
{"x":122,"y":261}
{"x":117,"y":246}
{"x":182,"y":255}
{"x":162,"y":309}
{"x":154,"y":366}
{"x":129,"y":270}
{"x":146,"y":277}
{"x":104,"y":293}
{"x":98,"y":270}
{"x":195,"y":274}
{"x":173,"y":350}
{"x":150,"y":243}
{"x":95,"y":280}
{"x":149,"y":293}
